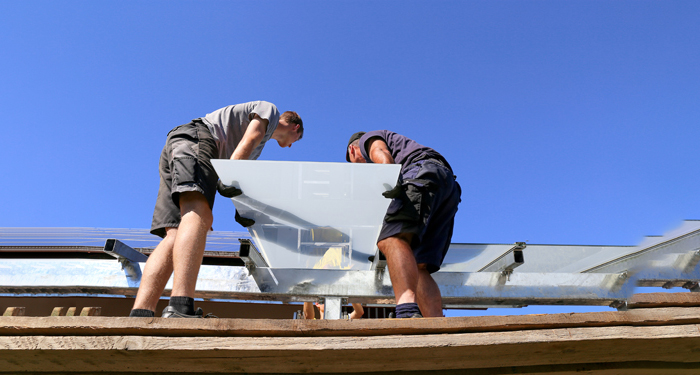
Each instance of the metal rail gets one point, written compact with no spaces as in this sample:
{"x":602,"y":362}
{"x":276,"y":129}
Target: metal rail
{"x":670,"y":261}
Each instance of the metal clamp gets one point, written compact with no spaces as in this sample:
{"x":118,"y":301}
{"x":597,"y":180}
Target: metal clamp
{"x":506,"y":263}
{"x":250,"y":255}
{"x":620,"y":305}
{"x":129,"y":259}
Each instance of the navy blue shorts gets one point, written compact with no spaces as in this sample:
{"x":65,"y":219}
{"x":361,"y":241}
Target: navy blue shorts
{"x":427,"y":209}
{"x":185,"y":165}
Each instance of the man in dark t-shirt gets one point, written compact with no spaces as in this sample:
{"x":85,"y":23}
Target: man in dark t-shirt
{"x":418,"y":225}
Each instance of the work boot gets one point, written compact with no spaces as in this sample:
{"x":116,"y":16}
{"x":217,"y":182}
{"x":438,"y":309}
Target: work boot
{"x":170,"y":312}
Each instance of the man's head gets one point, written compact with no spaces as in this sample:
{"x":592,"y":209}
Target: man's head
{"x":353,"y":153}
{"x":289,"y":129}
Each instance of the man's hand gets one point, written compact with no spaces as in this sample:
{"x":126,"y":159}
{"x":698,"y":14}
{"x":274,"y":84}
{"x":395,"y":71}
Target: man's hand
{"x":245,"y":222}
{"x":228,"y":191}
{"x":396,"y":192}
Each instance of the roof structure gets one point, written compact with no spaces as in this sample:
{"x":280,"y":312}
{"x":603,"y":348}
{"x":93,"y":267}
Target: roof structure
{"x":314,"y":238}
{"x":85,"y":278}
{"x":658,"y":340}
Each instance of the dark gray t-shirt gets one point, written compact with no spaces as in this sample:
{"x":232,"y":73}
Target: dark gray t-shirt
{"x":228,"y":125}
{"x":405,"y":151}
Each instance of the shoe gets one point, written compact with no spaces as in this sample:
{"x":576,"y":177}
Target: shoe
{"x":170,"y":312}
{"x":416,"y":315}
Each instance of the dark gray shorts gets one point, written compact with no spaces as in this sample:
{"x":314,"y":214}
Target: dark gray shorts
{"x":184,"y":166}
{"x":427,"y":209}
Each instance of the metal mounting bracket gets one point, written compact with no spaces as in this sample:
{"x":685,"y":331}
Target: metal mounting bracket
{"x":333,"y":307}
{"x":378,"y":262}
{"x":129,"y":259}
{"x":507,"y":262}
{"x":250,"y":255}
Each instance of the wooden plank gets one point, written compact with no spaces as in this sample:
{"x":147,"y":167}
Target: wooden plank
{"x":78,"y":326}
{"x":90,"y":311}
{"x":624,"y":368}
{"x":120,"y":307}
{"x":628,"y":368}
{"x":672,"y":344}
{"x":14,"y":311}
{"x":59,"y":311}
{"x":653,"y":300}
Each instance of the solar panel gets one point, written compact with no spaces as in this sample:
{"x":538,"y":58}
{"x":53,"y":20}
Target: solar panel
{"x":310,"y":214}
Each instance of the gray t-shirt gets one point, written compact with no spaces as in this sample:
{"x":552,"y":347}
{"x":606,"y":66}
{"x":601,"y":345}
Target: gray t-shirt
{"x":228,"y":125}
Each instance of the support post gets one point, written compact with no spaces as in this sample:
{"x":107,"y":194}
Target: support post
{"x":333,"y":308}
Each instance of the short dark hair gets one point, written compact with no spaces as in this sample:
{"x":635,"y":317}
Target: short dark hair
{"x":354,"y":140}
{"x":292,"y":117}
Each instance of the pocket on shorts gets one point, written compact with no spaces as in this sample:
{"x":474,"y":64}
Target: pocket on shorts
{"x":407,"y":207}
{"x":184,"y":171}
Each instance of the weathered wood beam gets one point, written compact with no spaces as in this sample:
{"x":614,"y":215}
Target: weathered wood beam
{"x":673,"y":344}
{"x":653,"y":300}
{"x":82,"y":326}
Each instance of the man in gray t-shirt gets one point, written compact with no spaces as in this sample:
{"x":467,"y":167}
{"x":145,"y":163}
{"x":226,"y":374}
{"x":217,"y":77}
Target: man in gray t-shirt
{"x":228,"y":125}
{"x":188,"y":185}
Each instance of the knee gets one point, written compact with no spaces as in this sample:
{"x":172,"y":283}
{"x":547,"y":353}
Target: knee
{"x":170,"y":234}
{"x":401,"y":240}
{"x":207,"y":217}
{"x":384,"y":245}
{"x":194,"y":202}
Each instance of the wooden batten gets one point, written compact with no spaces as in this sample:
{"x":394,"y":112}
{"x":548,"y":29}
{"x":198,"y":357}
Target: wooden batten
{"x":14,"y":311}
{"x":661,"y":340}
{"x":652,"y":300}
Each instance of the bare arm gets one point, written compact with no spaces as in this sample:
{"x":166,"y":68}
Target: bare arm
{"x":379,"y":151}
{"x":251,"y":139}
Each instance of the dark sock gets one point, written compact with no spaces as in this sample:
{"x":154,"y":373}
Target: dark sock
{"x":406,"y":310}
{"x":184,"y":305}
{"x":142,"y":313}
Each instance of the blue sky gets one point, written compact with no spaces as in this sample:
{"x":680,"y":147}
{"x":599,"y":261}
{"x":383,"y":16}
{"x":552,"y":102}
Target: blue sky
{"x":567,"y":122}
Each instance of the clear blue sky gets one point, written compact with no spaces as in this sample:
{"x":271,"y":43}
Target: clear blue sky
{"x":567,"y":122}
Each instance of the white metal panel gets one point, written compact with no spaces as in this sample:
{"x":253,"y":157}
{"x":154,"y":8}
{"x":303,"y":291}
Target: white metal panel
{"x":312,"y":214}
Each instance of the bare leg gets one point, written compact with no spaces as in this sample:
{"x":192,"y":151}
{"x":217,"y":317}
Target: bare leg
{"x":309,"y":312}
{"x":321,"y":309}
{"x":156,"y":273}
{"x":190,"y":242}
{"x":402,"y":266}
{"x":429,"y":298}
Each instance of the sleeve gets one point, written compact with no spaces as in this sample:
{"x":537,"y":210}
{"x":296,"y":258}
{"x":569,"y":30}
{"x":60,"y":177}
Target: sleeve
{"x":266,"y":110}
{"x":365,"y":138}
